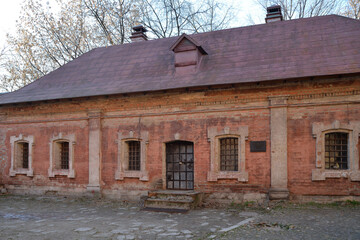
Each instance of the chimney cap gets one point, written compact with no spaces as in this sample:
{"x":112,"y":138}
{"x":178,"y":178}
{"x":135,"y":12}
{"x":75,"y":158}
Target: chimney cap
{"x":139,"y":28}
{"x":273,"y":14}
{"x":273,"y":9}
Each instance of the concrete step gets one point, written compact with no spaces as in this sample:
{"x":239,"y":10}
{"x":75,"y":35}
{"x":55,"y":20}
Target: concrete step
{"x":168,"y":203}
{"x":175,"y":201}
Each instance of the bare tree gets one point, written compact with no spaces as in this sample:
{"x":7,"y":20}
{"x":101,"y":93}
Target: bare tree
{"x":167,"y":18}
{"x":113,"y":19}
{"x":46,"y":39}
{"x":352,"y":9}
{"x":212,"y":16}
{"x":303,"y":8}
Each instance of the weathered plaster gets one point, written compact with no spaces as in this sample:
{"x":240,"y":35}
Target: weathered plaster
{"x":214,"y":134}
{"x":13,"y":169}
{"x":53,"y":171}
{"x":122,"y":166}
{"x":94,"y":150}
{"x":319,"y":130}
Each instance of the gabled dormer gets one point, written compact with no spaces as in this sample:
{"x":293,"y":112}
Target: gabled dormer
{"x":188,"y":54}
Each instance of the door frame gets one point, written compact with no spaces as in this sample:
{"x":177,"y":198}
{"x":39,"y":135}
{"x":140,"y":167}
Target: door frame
{"x":164,"y":183}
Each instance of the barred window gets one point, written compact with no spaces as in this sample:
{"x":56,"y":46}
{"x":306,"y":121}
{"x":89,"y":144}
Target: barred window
{"x":62,"y":155}
{"x":22,"y":155}
{"x":229,"y":154}
{"x":336,"y":150}
{"x":133,"y":155}
{"x":64,"y":152}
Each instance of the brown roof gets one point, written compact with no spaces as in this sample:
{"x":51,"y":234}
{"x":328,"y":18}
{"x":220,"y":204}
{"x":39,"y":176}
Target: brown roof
{"x":316,"y":46}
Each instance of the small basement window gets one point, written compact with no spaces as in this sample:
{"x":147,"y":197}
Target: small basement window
{"x":336,"y":150}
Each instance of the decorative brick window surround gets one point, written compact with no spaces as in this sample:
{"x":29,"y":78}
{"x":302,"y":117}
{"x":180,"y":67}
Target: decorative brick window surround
{"x":62,"y":156}
{"x":216,"y":137}
{"x":21,"y":155}
{"x":132,"y":155}
{"x":331,"y":161}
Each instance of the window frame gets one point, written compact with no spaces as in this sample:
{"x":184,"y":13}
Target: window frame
{"x":214,"y":136}
{"x":122,"y":170}
{"x":14,"y":141}
{"x":131,"y":160}
{"x":55,"y":156}
{"x":236,"y":165}
{"x":319,"y":130}
{"x":336,"y":151}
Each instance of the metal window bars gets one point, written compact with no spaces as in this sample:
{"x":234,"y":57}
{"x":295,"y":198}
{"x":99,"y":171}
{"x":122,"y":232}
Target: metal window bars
{"x":336,"y":150}
{"x":229,"y":154}
{"x":134,"y":155}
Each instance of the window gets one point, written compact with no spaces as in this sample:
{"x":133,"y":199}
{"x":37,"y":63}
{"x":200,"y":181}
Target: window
{"x":21,"y":155}
{"x":61,"y":156}
{"x":132,"y":155}
{"x":227,"y":156}
{"x":336,"y":150}
{"x":62,"y":152}
{"x":337,"y":154}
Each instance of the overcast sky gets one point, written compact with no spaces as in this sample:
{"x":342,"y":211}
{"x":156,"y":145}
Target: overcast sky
{"x":11,"y":11}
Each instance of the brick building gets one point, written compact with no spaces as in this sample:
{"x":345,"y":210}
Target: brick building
{"x":238,"y":114}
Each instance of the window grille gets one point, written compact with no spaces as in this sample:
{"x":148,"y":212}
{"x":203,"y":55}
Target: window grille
{"x":229,"y":154}
{"x":25,"y":154}
{"x":64,"y":155}
{"x":336,"y":150}
{"x":134,"y":155}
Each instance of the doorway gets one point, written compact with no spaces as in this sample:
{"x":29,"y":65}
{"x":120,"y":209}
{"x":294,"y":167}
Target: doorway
{"x":180,"y":165}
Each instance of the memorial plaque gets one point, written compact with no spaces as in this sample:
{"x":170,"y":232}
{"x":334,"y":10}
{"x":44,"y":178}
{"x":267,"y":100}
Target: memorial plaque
{"x":258,"y":146}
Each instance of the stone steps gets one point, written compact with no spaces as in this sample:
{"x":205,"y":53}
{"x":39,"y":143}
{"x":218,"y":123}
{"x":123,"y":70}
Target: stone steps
{"x":172,"y":201}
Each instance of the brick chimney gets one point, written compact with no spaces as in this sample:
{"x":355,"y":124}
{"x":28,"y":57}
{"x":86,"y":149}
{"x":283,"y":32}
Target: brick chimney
{"x":273,"y":14}
{"x":138,"y":35}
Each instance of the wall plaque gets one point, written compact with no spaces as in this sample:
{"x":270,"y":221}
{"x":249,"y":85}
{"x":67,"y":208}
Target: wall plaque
{"x":257,"y":146}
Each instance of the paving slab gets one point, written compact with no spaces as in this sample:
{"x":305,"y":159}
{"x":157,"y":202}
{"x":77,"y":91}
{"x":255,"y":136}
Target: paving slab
{"x":55,"y":217}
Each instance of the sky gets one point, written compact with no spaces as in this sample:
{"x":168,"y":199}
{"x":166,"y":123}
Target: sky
{"x":11,"y":12}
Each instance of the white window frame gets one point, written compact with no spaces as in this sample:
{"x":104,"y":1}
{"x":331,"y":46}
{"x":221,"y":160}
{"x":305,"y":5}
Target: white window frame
{"x":122,"y":171}
{"x":352,"y":129}
{"x":214,"y":136}
{"x":14,"y":140}
{"x":53,"y":171}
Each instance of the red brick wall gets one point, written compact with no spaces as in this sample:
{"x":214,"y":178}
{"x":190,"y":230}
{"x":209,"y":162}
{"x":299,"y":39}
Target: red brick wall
{"x":191,"y":128}
{"x":188,"y":113}
{"x":42,"y":133}
{"x":301,"y":149}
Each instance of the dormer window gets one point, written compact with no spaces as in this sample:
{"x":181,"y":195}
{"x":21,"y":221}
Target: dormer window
{"x":188,"y":54}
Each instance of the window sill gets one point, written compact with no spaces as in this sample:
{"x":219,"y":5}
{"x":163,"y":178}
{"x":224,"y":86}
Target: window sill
{"x":142,"y":175}
{"x":240,"y":176}
{"x":22,"y":171}
{"x":322,"y":174}
{"x":70,"y":173}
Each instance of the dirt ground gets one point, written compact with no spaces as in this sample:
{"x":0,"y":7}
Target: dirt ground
{"x":55,"y":217}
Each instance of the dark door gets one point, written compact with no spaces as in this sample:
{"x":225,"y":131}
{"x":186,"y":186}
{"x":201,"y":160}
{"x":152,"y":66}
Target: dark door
{"x":180,"y":165}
